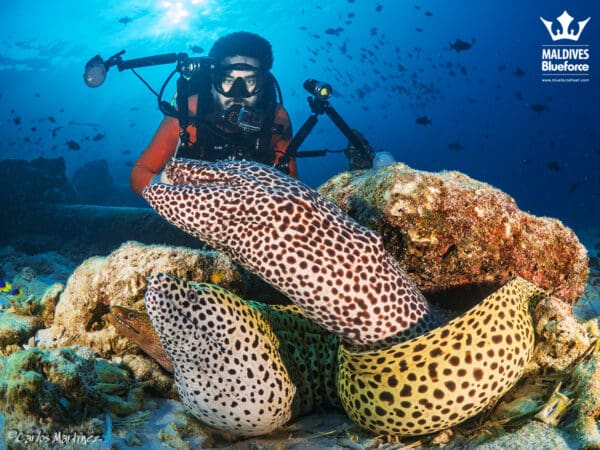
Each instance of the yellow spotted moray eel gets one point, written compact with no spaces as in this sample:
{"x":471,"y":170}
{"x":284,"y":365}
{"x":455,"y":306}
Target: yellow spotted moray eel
{"x":221,"y":346}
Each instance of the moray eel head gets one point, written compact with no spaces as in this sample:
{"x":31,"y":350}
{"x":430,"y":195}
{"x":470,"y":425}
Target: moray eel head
{"x":228,"y":370}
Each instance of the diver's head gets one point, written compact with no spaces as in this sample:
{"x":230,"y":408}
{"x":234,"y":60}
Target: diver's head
{"x":242,"y":61}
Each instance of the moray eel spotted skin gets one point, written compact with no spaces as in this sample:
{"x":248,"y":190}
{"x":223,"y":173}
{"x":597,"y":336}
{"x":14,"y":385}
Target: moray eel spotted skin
{"x":136,"y":326}
{"x":418,"y":387}
{"x":228,"y":369}
{"x":446,"y":376}
{"x":334,"y":269}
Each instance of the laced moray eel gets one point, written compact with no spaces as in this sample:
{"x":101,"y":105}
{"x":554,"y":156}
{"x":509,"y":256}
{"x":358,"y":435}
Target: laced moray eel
{"x":334,"y":269}
{"x":227,"y":366}
{"x":237,"y":363}
{"x":339,"y":275}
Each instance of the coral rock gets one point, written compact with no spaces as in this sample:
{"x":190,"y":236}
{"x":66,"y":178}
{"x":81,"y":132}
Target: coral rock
{"x":561,"y":339}
{"x":16,"y":330}
{"x":120,"y":279}
{"x":450,"y":231}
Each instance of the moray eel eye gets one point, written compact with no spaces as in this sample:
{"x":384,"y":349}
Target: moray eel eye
{"x":192,"y":296}
{"x":130,"y":315}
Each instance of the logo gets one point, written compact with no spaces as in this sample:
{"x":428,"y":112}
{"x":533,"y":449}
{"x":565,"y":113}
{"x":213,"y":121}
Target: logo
{"x":565,"y":62}
{"x":566,"y":32}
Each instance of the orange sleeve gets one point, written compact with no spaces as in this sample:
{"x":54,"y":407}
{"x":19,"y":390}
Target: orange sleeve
{"x":159,"y":151}
{"x":279,"y":142}
{"x":156,"y":155}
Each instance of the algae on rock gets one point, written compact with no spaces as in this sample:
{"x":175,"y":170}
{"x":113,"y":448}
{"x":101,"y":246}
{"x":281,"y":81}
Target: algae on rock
{"x":450,"y":231}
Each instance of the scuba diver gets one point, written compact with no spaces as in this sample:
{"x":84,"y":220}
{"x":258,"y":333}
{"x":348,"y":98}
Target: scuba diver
{"x":234,"y":114}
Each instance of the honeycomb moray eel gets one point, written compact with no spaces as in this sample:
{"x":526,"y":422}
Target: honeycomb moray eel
{"x":239,"y":363}
{"x":227,"y":366}
{"x":334,"y":269}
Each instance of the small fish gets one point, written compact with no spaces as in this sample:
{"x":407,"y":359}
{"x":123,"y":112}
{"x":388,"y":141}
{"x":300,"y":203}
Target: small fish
{"x":519,"y":72}
{"x":51,"y":119}
{"x":5,"y":286}
{"x":125,"y":20}
{"x":15,"y":292}
{"x":428,"y":13}
{"x":196,"y":49}
{"x":423,"y":120}
{"x":554,"y":166}
{"x":519,"y":95}
{"x":378,"y":8}
{"x":217,"y":277}
{"x":98,"y":137}
{"x":460,"y":46}
{"x":538,"y":108}
{"x":456,"y":146}
{"x":419,"y":29}
{"x":72,"y":145}
{"x":17,"y":120}
{"x":573,"y":187}
{"x":334,"y":31}
{"x":501,"y":67}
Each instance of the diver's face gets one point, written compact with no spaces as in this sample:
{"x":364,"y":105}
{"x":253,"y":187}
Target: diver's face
{"x":249,"y":78}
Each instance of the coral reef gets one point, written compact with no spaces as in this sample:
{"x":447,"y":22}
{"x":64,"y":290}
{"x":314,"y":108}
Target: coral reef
{"x":43,"y":391}
{"x":120,"y":279}
{"x":28,"y":312}
{"x":16,"y":330}
{"x":450,"y":231}
{"x":561,"y":339}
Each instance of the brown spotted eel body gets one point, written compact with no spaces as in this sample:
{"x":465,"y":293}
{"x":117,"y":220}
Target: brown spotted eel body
{"x":334,"y":269}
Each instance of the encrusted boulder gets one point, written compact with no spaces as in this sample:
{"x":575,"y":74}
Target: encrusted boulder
{"x":120,"y":279}
{"x":452,"y":232}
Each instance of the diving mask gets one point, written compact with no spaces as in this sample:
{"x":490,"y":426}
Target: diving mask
{"x":238,"y":80}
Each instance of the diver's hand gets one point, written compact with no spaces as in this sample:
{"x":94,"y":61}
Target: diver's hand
{"x":160,"y":178}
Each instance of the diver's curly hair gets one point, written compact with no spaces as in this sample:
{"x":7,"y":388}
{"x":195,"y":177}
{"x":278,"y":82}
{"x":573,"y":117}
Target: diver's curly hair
{"x":243,"y":43}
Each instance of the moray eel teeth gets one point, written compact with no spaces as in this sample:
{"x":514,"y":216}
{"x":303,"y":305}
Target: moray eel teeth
{"x":227,"y":366}
{"x":446,"y":376}
{"x":334,"y":269}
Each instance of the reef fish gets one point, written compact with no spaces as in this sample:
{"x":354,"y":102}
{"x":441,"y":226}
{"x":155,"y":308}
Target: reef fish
{"x":460,"y":45}
{"x":5,"y":286}
{"x":337,"y":271}
{"x":423,"y":120}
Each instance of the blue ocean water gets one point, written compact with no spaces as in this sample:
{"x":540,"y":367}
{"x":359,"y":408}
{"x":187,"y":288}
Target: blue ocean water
{"x":389,"y":62}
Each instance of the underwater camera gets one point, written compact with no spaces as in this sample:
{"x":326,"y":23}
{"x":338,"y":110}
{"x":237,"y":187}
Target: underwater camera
{"x":246,"y":119}
{"x":359,"y":153}
{"x":320,"y":90}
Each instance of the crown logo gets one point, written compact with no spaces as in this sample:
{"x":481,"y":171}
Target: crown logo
{"x":565,"y":21}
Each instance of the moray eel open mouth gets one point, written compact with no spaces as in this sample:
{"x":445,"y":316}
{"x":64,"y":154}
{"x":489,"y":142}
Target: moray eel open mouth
{"x":399,"y":370}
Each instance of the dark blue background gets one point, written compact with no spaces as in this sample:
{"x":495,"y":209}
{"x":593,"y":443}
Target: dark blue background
{"x":549,"y":161}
